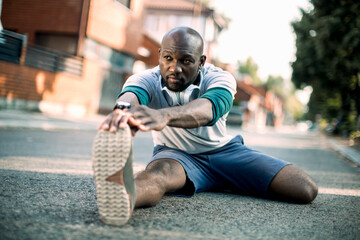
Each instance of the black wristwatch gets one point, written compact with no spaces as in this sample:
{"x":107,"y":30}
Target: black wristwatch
{"x":122,"y":105}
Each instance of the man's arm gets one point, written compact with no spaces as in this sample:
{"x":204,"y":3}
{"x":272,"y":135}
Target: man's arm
{"x":191,"y":115}
{"x":194,"y":114}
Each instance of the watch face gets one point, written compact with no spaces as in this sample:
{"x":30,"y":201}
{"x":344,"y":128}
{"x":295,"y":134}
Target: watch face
{"x":122,"y":105}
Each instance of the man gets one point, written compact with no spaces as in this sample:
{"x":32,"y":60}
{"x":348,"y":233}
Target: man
{"x":185,"y":102}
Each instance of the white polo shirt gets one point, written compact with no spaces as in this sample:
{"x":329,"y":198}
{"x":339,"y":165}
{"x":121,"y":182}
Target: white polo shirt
{"x":194,"y":140}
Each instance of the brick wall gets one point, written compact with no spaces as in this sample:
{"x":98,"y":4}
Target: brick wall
{"x":24,"y":16}
{"x":16,"y":82}
{"x":109,"y":22}
{"x":19,"y":82}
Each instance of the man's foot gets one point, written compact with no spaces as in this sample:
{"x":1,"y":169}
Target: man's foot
{"x":112,"y":165}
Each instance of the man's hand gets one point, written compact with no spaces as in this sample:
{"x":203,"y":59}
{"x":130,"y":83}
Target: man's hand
{"x":119,"y":119}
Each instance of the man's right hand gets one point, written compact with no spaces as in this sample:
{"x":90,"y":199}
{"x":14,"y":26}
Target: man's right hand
{"x":119,"y":119}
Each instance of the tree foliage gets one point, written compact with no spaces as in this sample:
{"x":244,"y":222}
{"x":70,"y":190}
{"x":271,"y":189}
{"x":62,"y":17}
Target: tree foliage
{"x":250,"y":68}
{"x":291,"y":104}
{"x":328,"y":59}
{"x":276,"y":84}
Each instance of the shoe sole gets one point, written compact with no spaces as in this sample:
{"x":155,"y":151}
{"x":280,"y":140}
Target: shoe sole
{"x":110,"y":154}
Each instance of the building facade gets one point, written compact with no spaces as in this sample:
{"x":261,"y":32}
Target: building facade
{"x":73,"y":56}
{"x":99,"y":37}
{"x":161,"y":16}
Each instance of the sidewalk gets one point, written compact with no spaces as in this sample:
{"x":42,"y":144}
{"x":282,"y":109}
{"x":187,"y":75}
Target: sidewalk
{"x":345,"y":150}
{"x":25,"y":119}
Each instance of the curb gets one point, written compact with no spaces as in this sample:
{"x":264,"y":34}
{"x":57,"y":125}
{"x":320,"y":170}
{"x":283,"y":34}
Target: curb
{"x":347,"y":152}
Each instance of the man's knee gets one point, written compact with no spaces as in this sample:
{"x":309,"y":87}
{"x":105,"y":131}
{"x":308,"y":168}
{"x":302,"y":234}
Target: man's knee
{"x":293,"y":185}
{"x":169,"y":173}
{"x":163,"y":166}
{"x":310,"y":191}
{"x":307,"y":189}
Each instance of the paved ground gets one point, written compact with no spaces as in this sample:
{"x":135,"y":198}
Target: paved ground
{"x":47,"y":190}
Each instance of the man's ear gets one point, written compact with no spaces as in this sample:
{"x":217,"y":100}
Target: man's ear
{"x":202,"y":61}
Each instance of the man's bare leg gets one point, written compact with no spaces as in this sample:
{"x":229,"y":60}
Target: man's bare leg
{"x":293,"y":185}
{"x":160,"y":177}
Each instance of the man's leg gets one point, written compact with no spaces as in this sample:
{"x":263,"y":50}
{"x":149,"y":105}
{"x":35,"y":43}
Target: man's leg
{"x":255,"y":173}
{"x":293,"y":185}
{"x":161,"y":176}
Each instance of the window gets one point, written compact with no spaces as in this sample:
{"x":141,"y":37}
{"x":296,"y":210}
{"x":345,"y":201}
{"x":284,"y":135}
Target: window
{"x":61,"y":42}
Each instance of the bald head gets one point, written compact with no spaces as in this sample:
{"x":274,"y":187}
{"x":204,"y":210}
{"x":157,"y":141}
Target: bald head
{"x":181,"y":35}
{"x":181,"y":58}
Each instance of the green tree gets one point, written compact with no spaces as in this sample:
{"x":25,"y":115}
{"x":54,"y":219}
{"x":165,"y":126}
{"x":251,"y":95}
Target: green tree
{"x":291,"y":104}
{"x":276,"y":84}
{"x":328,"y":59}
{"x":250,"y":68}
{"x":294,"y":107}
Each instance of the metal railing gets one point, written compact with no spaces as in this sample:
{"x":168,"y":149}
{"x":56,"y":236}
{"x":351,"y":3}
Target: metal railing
{"x":11,"y":46}
{"x":53,"y":61}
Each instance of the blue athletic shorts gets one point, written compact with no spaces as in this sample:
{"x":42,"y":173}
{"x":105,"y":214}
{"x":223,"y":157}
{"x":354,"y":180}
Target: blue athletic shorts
{"x":233,"y":166}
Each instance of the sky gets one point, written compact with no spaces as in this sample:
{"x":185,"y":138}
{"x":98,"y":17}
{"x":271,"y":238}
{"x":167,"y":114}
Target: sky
{"x":260,"y":29}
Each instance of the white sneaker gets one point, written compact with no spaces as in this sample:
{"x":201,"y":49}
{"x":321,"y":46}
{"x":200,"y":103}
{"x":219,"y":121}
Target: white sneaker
{"x":112,"y":159}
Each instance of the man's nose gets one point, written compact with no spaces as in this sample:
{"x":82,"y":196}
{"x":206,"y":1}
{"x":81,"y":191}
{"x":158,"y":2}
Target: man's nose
{"x":176,"y":67}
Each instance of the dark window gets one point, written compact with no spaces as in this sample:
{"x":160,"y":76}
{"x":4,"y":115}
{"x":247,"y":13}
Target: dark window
{"x":61,"y":42}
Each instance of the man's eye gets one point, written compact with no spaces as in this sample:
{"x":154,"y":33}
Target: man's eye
{"x":187,"y":61}
{"x":168,"y":58}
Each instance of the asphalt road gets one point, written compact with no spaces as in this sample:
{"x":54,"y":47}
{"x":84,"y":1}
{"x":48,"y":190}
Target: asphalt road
{"x":47,"y":192}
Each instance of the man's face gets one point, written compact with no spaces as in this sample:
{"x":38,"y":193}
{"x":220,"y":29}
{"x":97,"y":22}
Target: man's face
{"x":180,"y":61}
